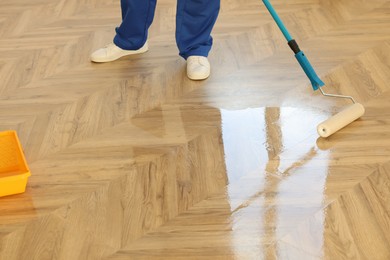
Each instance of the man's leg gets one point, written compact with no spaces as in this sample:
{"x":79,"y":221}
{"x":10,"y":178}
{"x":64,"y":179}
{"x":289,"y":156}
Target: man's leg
{"x":131,"y":35}
{"x":194,"y":22}
{"x":137,"y":16}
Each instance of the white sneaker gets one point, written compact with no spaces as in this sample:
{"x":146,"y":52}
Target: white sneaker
{"x":112,"y":52}
{"x":198,"y":67}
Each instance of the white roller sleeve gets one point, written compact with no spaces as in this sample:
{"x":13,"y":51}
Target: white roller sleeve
{"x":340,"y":120}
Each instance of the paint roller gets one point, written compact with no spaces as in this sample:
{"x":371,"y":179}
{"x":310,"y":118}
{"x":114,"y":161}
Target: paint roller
{"x":338,"y":121}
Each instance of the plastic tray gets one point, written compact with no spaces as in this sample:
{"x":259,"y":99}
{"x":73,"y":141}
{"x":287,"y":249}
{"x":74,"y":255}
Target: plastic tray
{"x":14,"y":171}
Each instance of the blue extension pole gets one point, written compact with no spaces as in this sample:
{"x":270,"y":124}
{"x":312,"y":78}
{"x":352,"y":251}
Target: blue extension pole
{"x":278,"y":21}
{"x":316,"y":82}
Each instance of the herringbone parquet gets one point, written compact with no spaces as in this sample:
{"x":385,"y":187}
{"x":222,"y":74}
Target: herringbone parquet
{"x":132,"y":160}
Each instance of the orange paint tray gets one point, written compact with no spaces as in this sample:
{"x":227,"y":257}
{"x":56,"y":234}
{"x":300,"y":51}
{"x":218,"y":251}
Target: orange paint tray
{"x":14,"y":171}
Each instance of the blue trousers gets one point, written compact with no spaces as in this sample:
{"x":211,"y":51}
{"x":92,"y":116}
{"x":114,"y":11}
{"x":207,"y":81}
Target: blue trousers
{"x":194,"y":21}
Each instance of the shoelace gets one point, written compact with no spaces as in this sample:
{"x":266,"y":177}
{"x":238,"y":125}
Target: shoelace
{"x":108,"y":48}
{"x":194,"y":61}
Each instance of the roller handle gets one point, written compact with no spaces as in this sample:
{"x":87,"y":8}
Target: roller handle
{"x":316,"y":82}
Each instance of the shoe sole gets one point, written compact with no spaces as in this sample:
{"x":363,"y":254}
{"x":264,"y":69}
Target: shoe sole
{"x":198,"y":78}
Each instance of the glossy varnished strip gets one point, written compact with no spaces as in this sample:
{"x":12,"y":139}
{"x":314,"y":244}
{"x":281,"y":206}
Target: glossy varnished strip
{"x":264,"y":214}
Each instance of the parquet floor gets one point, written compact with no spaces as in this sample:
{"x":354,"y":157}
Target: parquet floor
{"x":131,"y":160}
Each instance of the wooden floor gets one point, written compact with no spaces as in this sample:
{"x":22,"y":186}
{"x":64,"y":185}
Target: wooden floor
{"x":131,"y":160}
